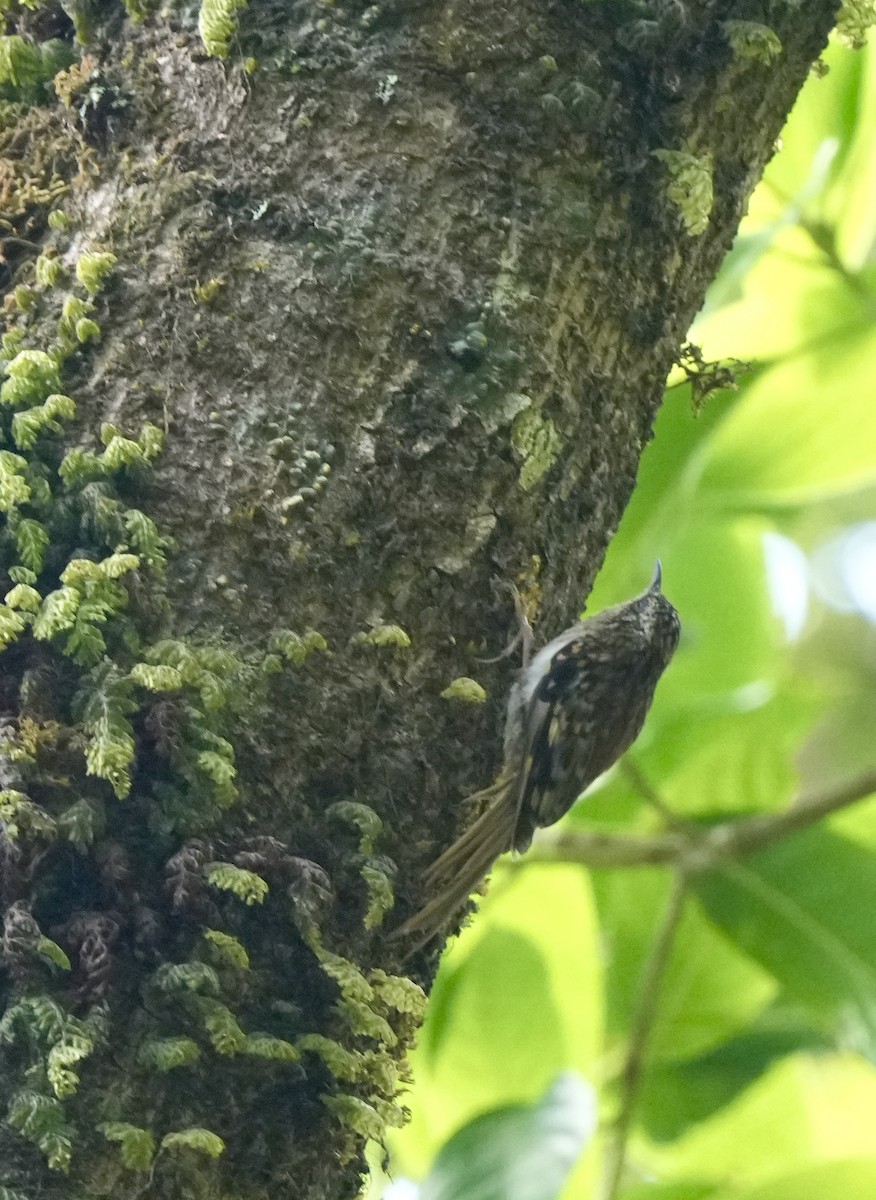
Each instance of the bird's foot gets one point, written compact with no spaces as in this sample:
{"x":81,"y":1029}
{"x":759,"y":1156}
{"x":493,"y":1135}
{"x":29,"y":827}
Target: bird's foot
{"x":524,"y":637}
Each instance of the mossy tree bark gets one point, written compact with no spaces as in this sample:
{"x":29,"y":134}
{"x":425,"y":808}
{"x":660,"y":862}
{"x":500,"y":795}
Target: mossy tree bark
{"x":404,"y":298}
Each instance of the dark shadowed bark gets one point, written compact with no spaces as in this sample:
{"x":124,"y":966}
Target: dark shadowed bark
{"x":403,"y":298}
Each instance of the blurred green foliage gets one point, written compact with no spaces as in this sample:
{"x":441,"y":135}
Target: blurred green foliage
{"x":759,"y":1080}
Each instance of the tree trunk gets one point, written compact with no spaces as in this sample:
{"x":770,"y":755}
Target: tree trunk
{"x":402,"y":289}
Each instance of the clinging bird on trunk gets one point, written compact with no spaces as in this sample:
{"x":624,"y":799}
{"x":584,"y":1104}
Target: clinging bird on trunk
{"x":575,"y":708}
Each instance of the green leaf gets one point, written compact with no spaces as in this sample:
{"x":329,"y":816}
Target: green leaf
{"x":802,"y":909}
{"x":711,"y":991}
{"x":342,"y":1063}
{"x":245,"y":885}
{"x":399,"y":992}
{"x":361,"y":817}
{"x":136,"y":1145}
{"x":28,"y":424}
{"x":221,"y":771}
{"x":157,"y":679}
{"x":539,"y":980}
{"x":165,"y":1054}
{"x":385,"y":635}
{"x":228,"y":948}
{"x":57,"y":613}
{"x":201,"y":1140}
{"x":18,"y":812}
{"x":80,"y":823}
{"x":106,"y":704}
{"x":852,"y":1180}
{"x":187,"y":977}
{"x":31,"y":540}
{"x":151,"y":441}
{"x":22,"y":575}
{"x":348,"y":977}
{"x":803,"y":432}
{"x":745,"y":763}
{"x":358,"y":1115}
{"x":678,"y":1095}
{"x":381,"y":897}
{"x":11,"y":625}
{"x":53,"y":952}
{"x":226,"y":1035}
{"x":26,"y":427}
{"x":121,"y":452}
{"x":362,"y":1019}
{"x":32,"y":376}
{"x":117,"y":565}
{"x":262,"y":1045}
{"x":806,"y":1111}
{"x":14,"y":489}
{"x":24,"y":597}
{"x":79,"y":467}
{"x":92,"y":268}
{"x":295,"y":647}
{"x":522,"y":1152}
{"x":146,"y":539}
{"x":79,"y":572}
{"x":76,"y":1043}
{"x":217,"y":24}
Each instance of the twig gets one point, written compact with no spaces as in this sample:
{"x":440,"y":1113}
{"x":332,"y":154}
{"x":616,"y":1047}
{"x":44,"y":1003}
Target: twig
{"x":648,"y":792}
{"x":744,"y":837}
{"x":695,"y":848}
{"x":643,"y":1023}
{"x":606,"y":850}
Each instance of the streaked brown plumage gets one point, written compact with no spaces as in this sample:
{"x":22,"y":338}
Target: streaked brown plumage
{"x":574,"y":710}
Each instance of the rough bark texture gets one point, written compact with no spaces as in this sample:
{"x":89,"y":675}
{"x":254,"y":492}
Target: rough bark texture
{"x":425,"y":255}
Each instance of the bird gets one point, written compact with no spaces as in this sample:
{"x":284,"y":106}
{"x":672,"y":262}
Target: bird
{"x":577,"y":705}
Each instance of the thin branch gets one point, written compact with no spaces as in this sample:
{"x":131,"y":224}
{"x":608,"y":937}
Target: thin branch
{"x":648,"y":792}
{"x":643,"y":1024}
{"x":691,"y":846}
{"x":756,"y":833}
{"x":606,"y":850}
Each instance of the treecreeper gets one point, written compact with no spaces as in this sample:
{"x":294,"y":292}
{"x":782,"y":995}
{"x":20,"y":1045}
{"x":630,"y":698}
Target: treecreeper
{"x":576,"y":706}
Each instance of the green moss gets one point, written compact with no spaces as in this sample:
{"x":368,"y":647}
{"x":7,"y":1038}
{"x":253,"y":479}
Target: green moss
{"x":136,"y":1145}
{"x":124,"y":741}
{"x":87,"y":331}
{"x":26,"y":67}
{"x":537,"y":440}
{"x":201,"y":1141}
{"x":384,"y":635}
{"x":465,"y":691}
{"x":48,"y":271}
{"x":245,"y":885}
{"x":24,"y":297}
{"x":689,"y":187}
{"x":137,"y":10}
{"x":206,"y":293}
{"x":217,"y":25}
{"x":751,"y":41}
{"x":855,"y":20}
{"x":92,"y":269}
{"x":297,"y":648}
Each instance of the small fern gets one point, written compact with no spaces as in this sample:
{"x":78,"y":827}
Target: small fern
{"x":166,"y":1054}
{"x":245,"y":885}
{"x":136,"y":1145}
{"x":203,"y":1141}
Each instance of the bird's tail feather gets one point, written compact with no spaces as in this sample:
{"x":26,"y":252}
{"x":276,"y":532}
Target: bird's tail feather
{"x":459,"y":870}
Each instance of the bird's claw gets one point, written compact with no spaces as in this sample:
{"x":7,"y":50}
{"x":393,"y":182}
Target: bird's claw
{"x":524,"y":636}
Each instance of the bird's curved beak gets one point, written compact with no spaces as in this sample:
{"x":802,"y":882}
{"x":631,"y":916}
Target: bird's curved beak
{"x":658,"y":578}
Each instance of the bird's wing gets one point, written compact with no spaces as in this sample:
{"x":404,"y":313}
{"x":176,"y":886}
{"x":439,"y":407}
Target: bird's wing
{"x":556,"y":749}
